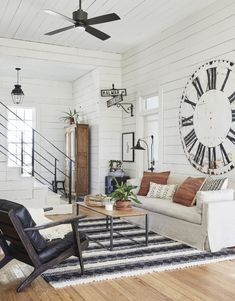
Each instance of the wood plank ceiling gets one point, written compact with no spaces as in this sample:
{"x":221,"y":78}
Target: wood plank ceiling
{"x":140,"y":20}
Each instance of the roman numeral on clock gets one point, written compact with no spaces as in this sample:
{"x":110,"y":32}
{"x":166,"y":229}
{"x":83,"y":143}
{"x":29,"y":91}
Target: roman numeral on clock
{"x":197,"y":85}
{"x":193,"y":104}
{"x":225,"y":80}
{"x":190,"y":139}
{"x":212,"y":157}
{"x":232,"y":97}
{"x":225,"y":157}
{"x":231,"y":136}
{"x":187,"y":121}
{"x":200,"y":153}
{"x":211,"y":76}
{"x":233,"y":115}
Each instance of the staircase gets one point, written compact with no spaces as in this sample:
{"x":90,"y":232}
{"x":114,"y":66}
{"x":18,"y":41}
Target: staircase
{"x":31,"y":183}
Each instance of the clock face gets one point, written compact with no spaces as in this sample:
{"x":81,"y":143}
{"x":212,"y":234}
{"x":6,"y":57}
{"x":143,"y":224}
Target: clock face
{"x":207,"y":118}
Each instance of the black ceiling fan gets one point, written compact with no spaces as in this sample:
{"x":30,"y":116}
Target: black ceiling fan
{"x":80,"y":19}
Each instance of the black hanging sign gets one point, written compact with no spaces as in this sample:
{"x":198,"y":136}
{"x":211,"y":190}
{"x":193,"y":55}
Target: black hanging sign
{"x":113,"y":92}
{"x":113,"y":101}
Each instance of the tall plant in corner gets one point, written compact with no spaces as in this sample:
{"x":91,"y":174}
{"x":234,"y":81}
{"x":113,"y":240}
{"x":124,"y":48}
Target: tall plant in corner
{"x":124,"y":195}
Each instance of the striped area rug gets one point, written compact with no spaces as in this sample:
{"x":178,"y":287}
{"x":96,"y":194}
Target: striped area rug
{"x":127,"y":258}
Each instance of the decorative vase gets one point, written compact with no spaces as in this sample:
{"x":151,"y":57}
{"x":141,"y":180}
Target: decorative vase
{"x":109,"y":206}
{"x":123,"y":205}
{"x":71,"y":120}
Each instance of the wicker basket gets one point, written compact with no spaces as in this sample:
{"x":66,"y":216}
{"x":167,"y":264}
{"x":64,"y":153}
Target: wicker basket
{"x":94,"y":200}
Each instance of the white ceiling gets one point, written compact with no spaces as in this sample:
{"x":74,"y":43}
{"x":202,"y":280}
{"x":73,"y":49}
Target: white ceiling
{"x":41,"y":69}
{"x":140,"y":19}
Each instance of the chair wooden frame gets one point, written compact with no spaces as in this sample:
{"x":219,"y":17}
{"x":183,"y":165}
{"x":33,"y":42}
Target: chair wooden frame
{"x":31,"y":257}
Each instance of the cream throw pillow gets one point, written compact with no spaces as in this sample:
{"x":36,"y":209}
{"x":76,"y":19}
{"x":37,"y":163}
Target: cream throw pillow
{"x":161,"y":191}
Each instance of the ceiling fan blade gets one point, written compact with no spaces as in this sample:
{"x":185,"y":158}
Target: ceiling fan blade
{"x":103,"y":19}
{"x":59,"y":30}
{"x":53,"y":13}
{"x":97,"y":33}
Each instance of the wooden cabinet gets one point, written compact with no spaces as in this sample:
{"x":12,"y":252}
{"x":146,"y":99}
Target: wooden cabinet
{"x":77,"y":148}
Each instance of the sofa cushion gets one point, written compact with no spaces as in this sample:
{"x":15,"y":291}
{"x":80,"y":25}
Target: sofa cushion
{"x":176,"y":179}
{"x":155,"y":177}
{"x":161,"y":191}
{"x":189,"y":214}
{"x":186,"y":193}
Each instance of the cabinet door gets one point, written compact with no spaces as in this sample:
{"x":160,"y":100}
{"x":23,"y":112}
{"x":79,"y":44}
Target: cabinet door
{"x":70,"y":151}
{"x":82,"y":185}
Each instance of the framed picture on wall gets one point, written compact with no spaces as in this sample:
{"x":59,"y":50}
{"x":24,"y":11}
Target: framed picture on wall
{"x":128,"y":154}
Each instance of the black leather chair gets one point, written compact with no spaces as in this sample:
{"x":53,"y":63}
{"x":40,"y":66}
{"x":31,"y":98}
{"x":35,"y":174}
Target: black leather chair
{"x":20,"y":239}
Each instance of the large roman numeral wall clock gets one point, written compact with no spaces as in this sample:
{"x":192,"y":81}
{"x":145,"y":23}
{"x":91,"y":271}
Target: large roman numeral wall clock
{"x":207,"y":118}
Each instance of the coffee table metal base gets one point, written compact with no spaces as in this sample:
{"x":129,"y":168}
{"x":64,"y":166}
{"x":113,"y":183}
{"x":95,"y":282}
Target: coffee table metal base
{"x":110,"y":228}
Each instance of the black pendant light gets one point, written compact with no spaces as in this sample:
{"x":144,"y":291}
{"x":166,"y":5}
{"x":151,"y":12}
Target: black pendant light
{"x":17,"y":93}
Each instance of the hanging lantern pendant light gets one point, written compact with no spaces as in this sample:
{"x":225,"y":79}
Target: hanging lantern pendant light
{"x":17,"y":93}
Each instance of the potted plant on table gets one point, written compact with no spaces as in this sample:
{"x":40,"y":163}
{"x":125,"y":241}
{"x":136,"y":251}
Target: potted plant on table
{"x":123,"y":196}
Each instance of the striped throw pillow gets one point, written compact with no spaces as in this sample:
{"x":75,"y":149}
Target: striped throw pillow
{"x":161,"y":191}
{"x":215,"y":184}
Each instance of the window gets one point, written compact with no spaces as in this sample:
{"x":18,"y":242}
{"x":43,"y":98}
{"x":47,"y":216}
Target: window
{"x":147,"y":125}
{"x":20,"y":136}
{"x":151,"y":103}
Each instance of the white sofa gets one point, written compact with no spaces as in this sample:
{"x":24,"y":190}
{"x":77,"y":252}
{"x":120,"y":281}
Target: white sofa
{"x":210,"y":228}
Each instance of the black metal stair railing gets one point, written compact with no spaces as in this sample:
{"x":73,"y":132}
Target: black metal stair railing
{"x":42,"y":160}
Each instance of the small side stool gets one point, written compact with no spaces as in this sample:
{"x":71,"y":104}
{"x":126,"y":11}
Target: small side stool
{"x":56,"y":184}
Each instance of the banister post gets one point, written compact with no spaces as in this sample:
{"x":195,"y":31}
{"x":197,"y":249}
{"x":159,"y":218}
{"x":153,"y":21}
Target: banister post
{"x":33,"y":150}
{"x":22,"y":153}
{"x":70,"y":181}
{"x":55,"y":177}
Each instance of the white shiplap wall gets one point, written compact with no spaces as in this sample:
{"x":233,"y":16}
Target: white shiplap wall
{"x":110,"y":124}
{"x":105,"y":123}
{"x":165,"y":62}
{"x":85,"y":92}
{"x":86,"y":99}
{"x":49,"y":99}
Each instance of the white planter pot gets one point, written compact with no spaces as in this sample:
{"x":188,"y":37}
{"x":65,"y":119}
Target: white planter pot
{"x":109,"y":207}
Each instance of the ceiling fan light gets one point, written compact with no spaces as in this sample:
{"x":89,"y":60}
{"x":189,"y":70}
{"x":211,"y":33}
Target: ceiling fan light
{"x":81,"y":27}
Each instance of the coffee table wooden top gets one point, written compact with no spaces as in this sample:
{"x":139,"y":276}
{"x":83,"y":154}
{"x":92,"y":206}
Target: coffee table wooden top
{"x":114,"y":213}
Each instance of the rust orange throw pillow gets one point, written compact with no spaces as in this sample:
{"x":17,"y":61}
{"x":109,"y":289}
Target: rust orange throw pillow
{"x":186,"y":193}
{"x":155,"y":177}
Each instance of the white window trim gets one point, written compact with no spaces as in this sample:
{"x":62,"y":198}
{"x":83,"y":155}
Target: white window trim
{"x":12,"y":108}
{"x":142,"y":113}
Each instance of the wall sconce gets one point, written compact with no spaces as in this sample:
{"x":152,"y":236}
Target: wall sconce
{"x":138,"y":146}
{"x":17,"y":93}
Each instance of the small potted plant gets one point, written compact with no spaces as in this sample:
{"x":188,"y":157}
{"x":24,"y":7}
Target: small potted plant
{"x":71,"y":116}
{"x":123,"y":196}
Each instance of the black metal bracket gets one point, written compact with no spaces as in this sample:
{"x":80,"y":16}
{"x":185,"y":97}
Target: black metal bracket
{"x":128,"y":109}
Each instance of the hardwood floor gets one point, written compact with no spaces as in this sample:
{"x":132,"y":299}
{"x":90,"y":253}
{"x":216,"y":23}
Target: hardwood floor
{"x":213,"y":282}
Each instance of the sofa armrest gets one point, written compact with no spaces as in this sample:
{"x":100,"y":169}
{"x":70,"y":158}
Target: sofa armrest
{"x":135,"y":182}
{"x":219,"y":219}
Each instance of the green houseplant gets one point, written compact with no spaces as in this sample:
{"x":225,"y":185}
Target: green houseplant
{"x":123,"y":196}
{"x":71,"y":116}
